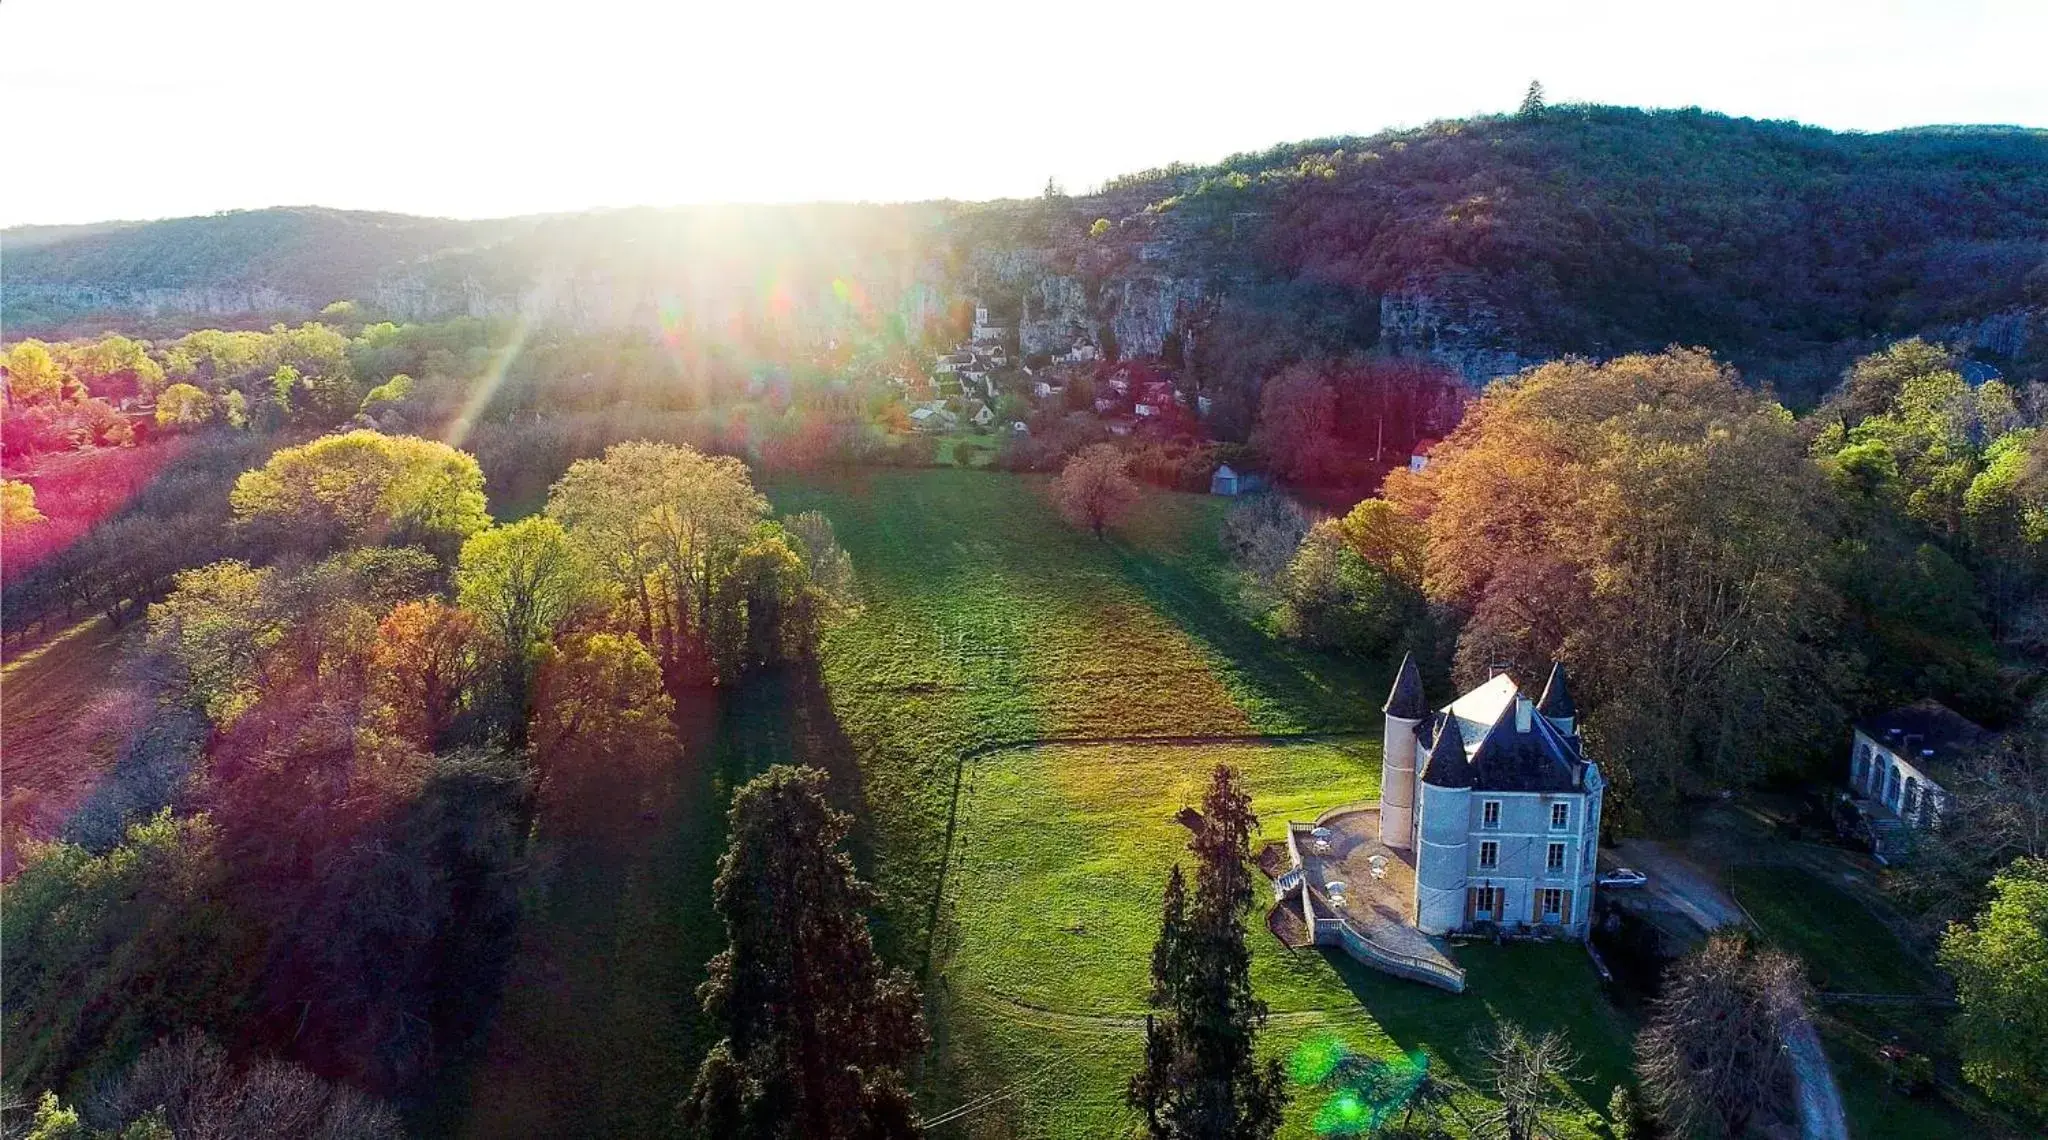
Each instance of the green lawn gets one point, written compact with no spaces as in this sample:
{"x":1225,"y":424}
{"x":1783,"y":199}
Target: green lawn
{"x":1846,"y":949}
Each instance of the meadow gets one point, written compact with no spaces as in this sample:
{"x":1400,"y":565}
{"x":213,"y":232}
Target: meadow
{"x":70,"y":711}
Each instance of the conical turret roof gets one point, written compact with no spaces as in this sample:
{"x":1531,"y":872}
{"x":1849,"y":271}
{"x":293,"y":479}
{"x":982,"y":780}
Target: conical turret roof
{"x":1406,"y":701}
{"x":1556,"y":702}
{"x":1449,"y":767}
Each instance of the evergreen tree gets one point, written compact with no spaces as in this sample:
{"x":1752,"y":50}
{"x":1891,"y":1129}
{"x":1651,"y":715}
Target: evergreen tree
{"x":1532,"y":102}
{"x":816,"y":1033}
{"x":1201,"y":1078}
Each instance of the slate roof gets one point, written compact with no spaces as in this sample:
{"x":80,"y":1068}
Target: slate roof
{"x":1448,"y":765}
{"x":1557,"y":698}
{"x":1486,"y":753}
{"x":1405,"y":701}
{"x":1949,"y":734}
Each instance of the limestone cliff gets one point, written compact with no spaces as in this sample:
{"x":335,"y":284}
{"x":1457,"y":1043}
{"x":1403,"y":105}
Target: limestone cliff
{"x":1449,"y":323}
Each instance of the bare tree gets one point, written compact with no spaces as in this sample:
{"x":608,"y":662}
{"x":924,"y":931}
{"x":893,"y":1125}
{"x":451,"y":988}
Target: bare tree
{"x":190,"y":1085}
{"x":1713,"y":1055}
{"x":1094,"y":489}
{"x":1527,"y":1074}
{"x":1262,"y":532}
{"x":1996,"y":811}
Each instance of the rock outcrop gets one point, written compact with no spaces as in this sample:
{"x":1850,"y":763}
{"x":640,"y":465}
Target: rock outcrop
{"x":1448,"y":323}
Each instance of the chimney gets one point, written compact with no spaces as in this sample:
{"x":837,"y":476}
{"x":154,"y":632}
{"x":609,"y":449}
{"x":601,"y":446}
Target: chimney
{"x":1523,"y":711}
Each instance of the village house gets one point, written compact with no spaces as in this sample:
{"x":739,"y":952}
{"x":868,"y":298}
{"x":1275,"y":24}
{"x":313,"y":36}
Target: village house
{"x":983,"y":330}
{"x":1418,"y":455}
{"x":1229,"y":481}
{"x":1900,"y":764}
{"x":933,"y":417}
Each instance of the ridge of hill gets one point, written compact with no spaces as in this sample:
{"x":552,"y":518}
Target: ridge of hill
{"x":1483,"y":243}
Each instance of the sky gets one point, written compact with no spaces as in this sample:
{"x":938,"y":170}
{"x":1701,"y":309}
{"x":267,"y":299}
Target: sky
{"x":147,"y":109}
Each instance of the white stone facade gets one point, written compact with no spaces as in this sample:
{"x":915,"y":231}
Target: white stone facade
{"x":1505,"y":831}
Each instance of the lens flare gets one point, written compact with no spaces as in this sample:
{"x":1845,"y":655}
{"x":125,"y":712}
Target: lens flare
{"x":486,"y":386}
{"x":1364,"y":1092}
{"x":1316,"y":1059}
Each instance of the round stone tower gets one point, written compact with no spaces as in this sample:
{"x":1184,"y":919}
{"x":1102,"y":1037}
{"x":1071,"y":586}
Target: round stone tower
{"x":1405,"y":709}
{"x":1446,"y":813}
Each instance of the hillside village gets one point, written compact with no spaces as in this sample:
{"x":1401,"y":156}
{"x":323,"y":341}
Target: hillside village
{"x":965,"y":388}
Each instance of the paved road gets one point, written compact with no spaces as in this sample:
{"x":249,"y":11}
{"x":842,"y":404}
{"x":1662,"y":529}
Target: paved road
{"x":1820,"y":1098}
{"x":1685,"y":886}
{"x":1696,"y":894}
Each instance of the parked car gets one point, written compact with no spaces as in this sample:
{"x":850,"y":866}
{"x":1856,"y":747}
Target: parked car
{"x":1624,"y":877}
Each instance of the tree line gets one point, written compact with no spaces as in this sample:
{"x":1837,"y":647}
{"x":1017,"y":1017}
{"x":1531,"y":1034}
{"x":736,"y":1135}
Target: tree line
{"x":320,"y":858}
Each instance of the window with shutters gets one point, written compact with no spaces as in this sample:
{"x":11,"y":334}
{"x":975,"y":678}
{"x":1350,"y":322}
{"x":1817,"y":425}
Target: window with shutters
{"x":1485,"y":903}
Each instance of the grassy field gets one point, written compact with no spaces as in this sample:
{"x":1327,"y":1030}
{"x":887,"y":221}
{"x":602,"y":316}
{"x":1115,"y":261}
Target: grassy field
{"x":1846,"y":949}
{"x":986,"y":622}
{"x":68,"y":715}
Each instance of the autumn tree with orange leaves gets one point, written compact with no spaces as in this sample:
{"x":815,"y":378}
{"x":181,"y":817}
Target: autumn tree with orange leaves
{"x":425,"y":667}
{"x":1656,"y":524}
{"x":1094,"y":490}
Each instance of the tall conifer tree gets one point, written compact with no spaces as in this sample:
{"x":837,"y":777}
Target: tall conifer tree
{"x":1201,"y":1079}
{"x":817,"y":1034}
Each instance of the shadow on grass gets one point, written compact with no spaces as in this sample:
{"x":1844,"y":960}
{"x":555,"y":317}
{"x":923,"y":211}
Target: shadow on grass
{"x":1312,"y":690}
{"x":600,"y":1031}
{"x":1542,"y":988}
